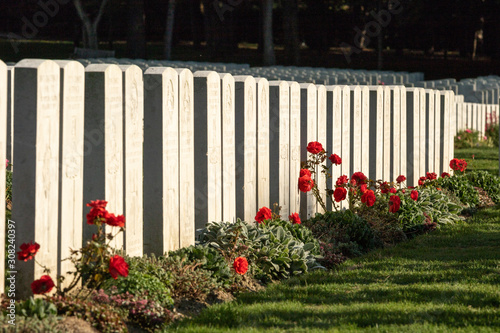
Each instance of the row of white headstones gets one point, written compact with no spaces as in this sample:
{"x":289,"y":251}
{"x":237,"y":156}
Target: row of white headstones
{"x":173,"y":150}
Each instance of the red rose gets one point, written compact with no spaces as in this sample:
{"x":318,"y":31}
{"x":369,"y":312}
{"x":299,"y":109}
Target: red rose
{"x":305,"y":172}
{"x":305,"y":183}
{"x":400,"y":179}
{"x":115,"y":221}
{"x":359,"y":178}
{"x":363,"y":188}
{"x":445,"y":174}
{"x":42,"y":286}
{"x":454,"y":164}
{"x":28,"y":251}
{"x":294,"y":218}
{"x":314,"y":147}
{"x":240,"y":265}
{"x":342,"y":180}
{"x":118,"y":266}
{"x":414,"y":195}
{"x":395,"y":203}
{"x":421,"y":180}
{"x":98,"y":204}
{"x":335,"y":159}
{"x":339,"y":194}
{"x":368,"y":198}
{"x":393,"y":190}
{"x":98,"y":211}
{"x":431,"y":175}
{"x":462,"y":165}
{"x":263,"y":214}
{"x":384,"y":187}
{"x":403,"y":190}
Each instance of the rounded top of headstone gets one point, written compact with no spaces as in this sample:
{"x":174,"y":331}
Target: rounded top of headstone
{"x":102,"y":68}
{"x":35,"y":63}
{"x":160,"y":70}
{"x":244,"y":78}
{"x":130,"y":68}
{"x":69,"y":64}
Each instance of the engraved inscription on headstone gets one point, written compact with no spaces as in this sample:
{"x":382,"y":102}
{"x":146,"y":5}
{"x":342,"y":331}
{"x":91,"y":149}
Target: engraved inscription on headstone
{"x":262,"y":87}
{"x":322,"y":121}
{"x":295,"y":144}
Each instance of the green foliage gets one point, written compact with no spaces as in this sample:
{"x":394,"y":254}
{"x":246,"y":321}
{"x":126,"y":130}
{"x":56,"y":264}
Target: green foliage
{"x":103,"y":317}
{"x":468,"y":139}
{"x":30,"y":324}
{"x":39,"y":308}
{"x":210,"y":260}
{"x":461,"y":187}
{"x":140,"y":310}
{"x":492,"y":134}
{"x":486,"y":181}
{"x":410,"y":214}
{"x":350,"y":233}
{"x":438,"y":206}
{"x":139,"y":282}
{"x":300,"y":232}
{"x":271,"y":249}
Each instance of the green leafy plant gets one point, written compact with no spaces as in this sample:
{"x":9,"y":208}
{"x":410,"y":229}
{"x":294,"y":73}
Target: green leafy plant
{"x":39,"y":308}
{"x":461,"y":186}
{"x":468,"y":138}
{"x":491,"y":134}
{"x":438,"y":206}
{"x":486,"y":181}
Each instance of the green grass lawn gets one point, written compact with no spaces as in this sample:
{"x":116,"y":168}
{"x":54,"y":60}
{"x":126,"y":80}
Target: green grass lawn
{"x":484,"y":158}
{"x":445,"y":281}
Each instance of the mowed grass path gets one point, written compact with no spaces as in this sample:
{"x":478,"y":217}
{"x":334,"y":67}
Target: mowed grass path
{"x":445,"y":281}
{"x":484,"y":158}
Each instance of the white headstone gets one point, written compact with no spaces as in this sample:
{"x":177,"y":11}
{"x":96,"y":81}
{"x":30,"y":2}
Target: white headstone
{"x":334,"y":130}
{"x":4,"y":124}
{"x":413,"y":135}
{"x":309,"y":133}
{"x":228,"y":148}
{"x":279,"y":140}
{"x":445,"y":130}
{"x":207,"y":145}
{"x":72,"y":99}
{"x":246,"y":147}
{"x":294,"y":146}
{"x":395,"y":145}
{"x":186,"y":158}
{"x":403,"y":137}
{"x":161,"y":164}
{"x":346,"y":135}
{"x":429,"y":131}
{"x":365,"y":130}
{"x":322,"y":137}
{"x":103,"y":150}
{"x":437,"y":132}
{"x":133,"y":140}
{"x":355,"y":123}
{"x":10,"y":110}
{"x":376,"y":133}
{"x":36,"y":176}
{"x":386,"y":171}
{"x":262,"y":86}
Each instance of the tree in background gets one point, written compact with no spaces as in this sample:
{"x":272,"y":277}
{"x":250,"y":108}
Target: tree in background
{"x":90,"y":39}
{"x":136,"y":34}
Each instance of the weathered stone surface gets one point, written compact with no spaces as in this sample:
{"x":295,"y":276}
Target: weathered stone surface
{"x":228,"y":148}
{"x":207,"y":145}
{"x":376,"y":133}
{"x":334,"y":130}
{"x":294,"y":160}
{"x":262,"y":86}
{"x":35,"y":180}
{"x":413,"y":135}
{"x":309,"y":133}
{"x":246,"y":149}
{"x":429,"y":132}
{"x":279,"y":141}
{"x":133,"y":140}
{"x":103,"y":147}
{"x":72,"y":99}
{"x":4,"y":124}
{"x":322,"y":137}
{"x":160,"y":147}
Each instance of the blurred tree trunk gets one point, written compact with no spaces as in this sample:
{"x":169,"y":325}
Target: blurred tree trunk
{"x":90,"y":39}
{"x":136,"y":36}
{"x":195,"y":15}
{"x":169,"y":30}
{"x":291,"y":31}
{"x":267,"y":22}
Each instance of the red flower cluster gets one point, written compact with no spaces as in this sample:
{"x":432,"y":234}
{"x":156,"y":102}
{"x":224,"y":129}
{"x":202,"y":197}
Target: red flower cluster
{"x":384,"y":187}
{"x":394,"y":203}
{"x":335,"y":159}
{"x":98,"y":213}
{"x":431,"y":175}
{"x":118,"y":266}
{"x":305,"y":181}
{"x":368,"y":198}
{"x":342,"y":180}
{"x":414,"y":195}
{"x":339,"y":194}
{"x":421,"y":181}
{"x":358,"y":178}
{"x":400,"y":179}
{"x":263,"y":214}
{"x":295,"y":218}
{"x":445,"y":174}
{"x":28,"y":251}
{"x":240,"y":265}
{"x":314,"y":147}
{"x":456,"y":164}
{"x":43,"y":285}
